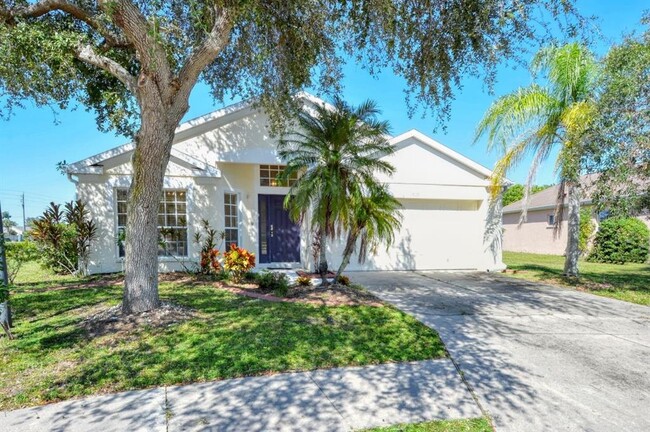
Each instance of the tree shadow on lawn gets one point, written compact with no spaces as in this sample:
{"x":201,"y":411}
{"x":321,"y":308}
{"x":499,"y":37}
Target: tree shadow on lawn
{"x":233,"y":337}
{"x":85,"y":282}
{"x":633,"y":279}
{"x":46,"y":304}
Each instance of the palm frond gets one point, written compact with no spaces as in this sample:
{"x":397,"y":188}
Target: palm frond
{"x":513,"y":114}
{"x":571,"y":70}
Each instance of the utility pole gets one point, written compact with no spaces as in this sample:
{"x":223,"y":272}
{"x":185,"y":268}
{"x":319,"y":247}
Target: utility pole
{"x":24,"y":223}
{"x":5,"y":311}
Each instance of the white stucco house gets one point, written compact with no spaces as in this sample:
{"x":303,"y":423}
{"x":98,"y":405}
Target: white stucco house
{"x":223,"y":167}
{"x":13,"y":234}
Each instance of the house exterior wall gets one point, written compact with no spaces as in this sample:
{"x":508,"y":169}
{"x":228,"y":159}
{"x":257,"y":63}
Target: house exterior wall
{"x":435,"y":235}
{"x":445,"y":213}
{"x":445,"y":203}
{"x":99,"y":193}
{"x":536,"y":235}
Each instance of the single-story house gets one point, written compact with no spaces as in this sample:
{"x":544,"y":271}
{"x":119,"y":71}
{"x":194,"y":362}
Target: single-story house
{"x":13,"y":234}
{"x":223,"y":169}
{"x":538,"y":234}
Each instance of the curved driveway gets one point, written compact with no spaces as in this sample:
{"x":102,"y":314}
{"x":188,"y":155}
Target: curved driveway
{"x":539,"y":358}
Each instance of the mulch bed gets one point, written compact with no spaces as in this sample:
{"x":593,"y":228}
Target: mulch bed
{"x":113,"y":321}
{"x":333,"y":295}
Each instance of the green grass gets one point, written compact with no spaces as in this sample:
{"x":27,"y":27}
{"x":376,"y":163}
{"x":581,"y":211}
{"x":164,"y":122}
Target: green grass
{"x":52,"y":357}
{"x":469,"y":425}
{"x":33,"y":276}
{"x":629,"y":282}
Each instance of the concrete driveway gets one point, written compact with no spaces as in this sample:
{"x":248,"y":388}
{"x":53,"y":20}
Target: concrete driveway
{"x":539,"y":358}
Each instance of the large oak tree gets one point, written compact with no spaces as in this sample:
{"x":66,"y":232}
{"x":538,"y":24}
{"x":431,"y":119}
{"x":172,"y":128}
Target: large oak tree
{"x":135,"y":63}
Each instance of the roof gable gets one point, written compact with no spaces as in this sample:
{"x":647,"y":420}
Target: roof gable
{"x":108,"y":161}
{"x":419,"y":159}
{"x":240,"y":133}
{"x":198,"y":132}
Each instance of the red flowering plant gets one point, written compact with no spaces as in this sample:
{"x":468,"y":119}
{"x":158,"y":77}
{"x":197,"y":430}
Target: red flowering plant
{"x":238,"y":261}
{"x":209,"y":263}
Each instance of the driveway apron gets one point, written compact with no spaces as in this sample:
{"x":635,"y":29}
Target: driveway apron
{"x":539,"y":358}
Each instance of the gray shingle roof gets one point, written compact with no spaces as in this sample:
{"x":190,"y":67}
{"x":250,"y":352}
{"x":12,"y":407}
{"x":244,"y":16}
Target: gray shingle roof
{"x":547,"y":198}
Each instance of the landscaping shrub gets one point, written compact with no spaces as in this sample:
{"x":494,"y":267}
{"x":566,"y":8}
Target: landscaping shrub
{"x":303,"y":281}
{"x":343,"y":280}
{"x":587,"y":228}
{"x":621,"y":240}
{"x":209,"y":263}
{"x":238,"y":261}
{"x":64,"y":236}
{"x":19,"y":253}
{"x":274,"y":282}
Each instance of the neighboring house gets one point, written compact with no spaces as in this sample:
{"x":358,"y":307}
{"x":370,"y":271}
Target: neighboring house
{"x":538,"y":234}
{"x":13,"y":234}
{"x":223,"y":168}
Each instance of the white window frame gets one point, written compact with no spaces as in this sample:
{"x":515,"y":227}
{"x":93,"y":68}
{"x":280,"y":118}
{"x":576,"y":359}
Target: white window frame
{"x":237,"y":225}
{"x":272,"y":182}
{"x":551,"y":219}
{"x":118,"y":227}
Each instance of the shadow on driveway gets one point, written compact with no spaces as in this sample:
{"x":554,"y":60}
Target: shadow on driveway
{"x":539,"y":358}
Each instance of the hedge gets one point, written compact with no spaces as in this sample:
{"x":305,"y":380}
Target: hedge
{"x":621,"y":240}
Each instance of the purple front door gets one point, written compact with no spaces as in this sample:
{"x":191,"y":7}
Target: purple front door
{"x":279,"y":236}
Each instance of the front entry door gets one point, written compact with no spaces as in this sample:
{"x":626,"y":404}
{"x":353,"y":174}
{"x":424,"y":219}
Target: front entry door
{"x":279,"y":236}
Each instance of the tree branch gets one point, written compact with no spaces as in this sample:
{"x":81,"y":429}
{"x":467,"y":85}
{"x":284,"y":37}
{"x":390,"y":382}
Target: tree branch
{"x":87,"y":54}
{"x":206,"y":52}
{"x":142,"y":35}
{"x":44,"y":7}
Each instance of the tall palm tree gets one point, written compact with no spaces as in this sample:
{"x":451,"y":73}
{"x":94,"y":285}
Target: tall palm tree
{"x":374,"y":218}
{"x":537,"y":119}
{"x":334,"y":150}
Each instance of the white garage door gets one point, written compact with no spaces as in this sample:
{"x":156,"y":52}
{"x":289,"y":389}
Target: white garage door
{"x":435,"y":235}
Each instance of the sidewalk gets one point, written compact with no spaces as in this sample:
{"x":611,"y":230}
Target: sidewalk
{"x":323,"y":400}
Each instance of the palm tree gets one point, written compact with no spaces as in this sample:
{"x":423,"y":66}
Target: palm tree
{"x":374,"y":218}
{"x":536,"y":120}
{"x":334,"y":151}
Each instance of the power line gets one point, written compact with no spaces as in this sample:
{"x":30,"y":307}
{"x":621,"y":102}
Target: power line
{"x":18,"y":198}
{"x":36,"y":194}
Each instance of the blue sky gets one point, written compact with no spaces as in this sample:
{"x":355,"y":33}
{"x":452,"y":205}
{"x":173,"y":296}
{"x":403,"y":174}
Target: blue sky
{"x":31,"y":143}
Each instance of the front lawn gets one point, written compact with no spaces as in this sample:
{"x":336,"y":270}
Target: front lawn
{"x":629,"y":282}
{"x":469,"y":425}
{"x":54,"y":357}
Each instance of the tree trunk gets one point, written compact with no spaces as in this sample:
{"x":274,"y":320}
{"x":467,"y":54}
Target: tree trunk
{"x":347,"y":254}
{"x":5,"y":309}
{"x":573,"y":231}
{"x":153,"y":148}
{"x":322,"y":264}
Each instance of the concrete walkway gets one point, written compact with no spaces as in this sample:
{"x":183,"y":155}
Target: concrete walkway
{"x":324,"y":400}
{"x":539,"y":358}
